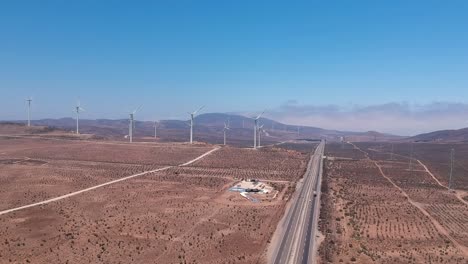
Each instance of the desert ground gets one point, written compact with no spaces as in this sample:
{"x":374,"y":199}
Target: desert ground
{"x":167,"y":211}
{"x":376,"y":208}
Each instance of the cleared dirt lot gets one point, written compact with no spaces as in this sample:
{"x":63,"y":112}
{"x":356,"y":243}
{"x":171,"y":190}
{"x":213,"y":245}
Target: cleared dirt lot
{"x":179,"y":215}
{"x":379,"y":211}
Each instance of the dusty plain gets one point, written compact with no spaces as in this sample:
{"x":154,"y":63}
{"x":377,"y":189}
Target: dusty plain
{"x":183,"y":214}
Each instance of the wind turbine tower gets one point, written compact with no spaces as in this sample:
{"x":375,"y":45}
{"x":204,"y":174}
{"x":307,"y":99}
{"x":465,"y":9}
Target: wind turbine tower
{"x":226,"y":128}
{"x":260,"y":129}
{"x":29,"y":100}
{"x":192,"y":116}
{"x":78,"y":108}
{"x":256,"y":128}
{"x":131,"y":125}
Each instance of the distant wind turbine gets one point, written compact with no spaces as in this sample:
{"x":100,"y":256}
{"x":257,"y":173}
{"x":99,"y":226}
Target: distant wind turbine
{"x":256,"y":127}
{"x":131,"y":125}
{"x":78,"y":108}
{"x":155,"y":131}
{"x":29,"y":100}
{"x":260,"y":129}
{"x":192,"y":116}
{"x":226,"y":128}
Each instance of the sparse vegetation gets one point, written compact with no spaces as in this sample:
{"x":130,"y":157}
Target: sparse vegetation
{"x":366,"y":218}
{"x":180,"y":215}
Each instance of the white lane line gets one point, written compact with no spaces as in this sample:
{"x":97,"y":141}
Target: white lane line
{"x":101,"y":185}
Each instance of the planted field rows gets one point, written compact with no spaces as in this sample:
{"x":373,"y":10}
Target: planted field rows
{"x":368,"y":220}
{"x":266,"y":163}
{"x":179,"y":215}
{"x":435,"y":156}
{"x":145,"y":219}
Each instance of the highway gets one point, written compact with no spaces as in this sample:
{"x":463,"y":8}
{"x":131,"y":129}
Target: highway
{"x":297,"y":230}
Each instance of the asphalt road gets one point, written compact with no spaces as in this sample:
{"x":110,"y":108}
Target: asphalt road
{"x":298,"y":230}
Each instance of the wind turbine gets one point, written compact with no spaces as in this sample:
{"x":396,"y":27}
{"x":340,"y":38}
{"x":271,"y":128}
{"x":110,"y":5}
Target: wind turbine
{"x":226,"y":128}
{"x":29,"y":100}
{"x":155,"y":127}
{"x":78,"y":108}
{"x":192,"y":116}
{"x":255,"y":128}
{"x":131,"y":125}
{"x":260,"y":128}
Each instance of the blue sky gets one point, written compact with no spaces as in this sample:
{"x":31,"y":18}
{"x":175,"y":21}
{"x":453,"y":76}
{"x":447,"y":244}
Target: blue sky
{"x":233,"y":56}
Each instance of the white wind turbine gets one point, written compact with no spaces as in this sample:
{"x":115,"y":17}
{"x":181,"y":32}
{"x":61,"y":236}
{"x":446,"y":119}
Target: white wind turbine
{"x":255,"y":129}
{"x":131,"y":125}
{"x":260,"y":129}
{"x":192,"y":116}
{"x":226,"y":128}
{"x":155,"y":129}
{"x":29,"y":100}
{"x":78,"y":108}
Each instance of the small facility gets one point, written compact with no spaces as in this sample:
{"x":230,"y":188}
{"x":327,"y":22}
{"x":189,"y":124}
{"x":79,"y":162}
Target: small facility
{"x":251,"y":186}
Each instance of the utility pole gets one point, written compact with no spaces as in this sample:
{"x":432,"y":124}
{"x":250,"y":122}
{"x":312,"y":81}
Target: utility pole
{"x":393,"y":148}
{"x":411,"y":158}
{"x":452,"y":161}
{"x":155,"y":132}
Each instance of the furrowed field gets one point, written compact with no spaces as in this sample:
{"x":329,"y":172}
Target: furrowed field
{"x":168,"y":214}
{"x":378,"y":210}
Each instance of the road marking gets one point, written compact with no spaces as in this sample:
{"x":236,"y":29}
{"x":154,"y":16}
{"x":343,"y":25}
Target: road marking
{"x":102,"y":185}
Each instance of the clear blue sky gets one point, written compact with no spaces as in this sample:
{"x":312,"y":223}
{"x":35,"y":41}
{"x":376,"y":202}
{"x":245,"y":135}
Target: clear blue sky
{"x":173,"y":56}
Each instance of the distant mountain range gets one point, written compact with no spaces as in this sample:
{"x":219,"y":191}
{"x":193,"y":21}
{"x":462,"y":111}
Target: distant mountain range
{"x":209,"y":128}
{"x":458,"y":135}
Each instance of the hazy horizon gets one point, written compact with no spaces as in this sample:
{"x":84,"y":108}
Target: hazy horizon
{"x":395,"y":118}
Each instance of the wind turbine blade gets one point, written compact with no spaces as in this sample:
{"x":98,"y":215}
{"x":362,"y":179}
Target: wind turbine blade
{"x":199,"y":110}
{"x":260,"y":115}
{"x":136,"y":110}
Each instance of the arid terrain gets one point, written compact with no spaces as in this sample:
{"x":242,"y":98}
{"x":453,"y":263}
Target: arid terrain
{"x":141,"y":203}
{"x":379,"y":209}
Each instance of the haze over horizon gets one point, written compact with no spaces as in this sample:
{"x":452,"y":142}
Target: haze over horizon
{"x":397,"y":67}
